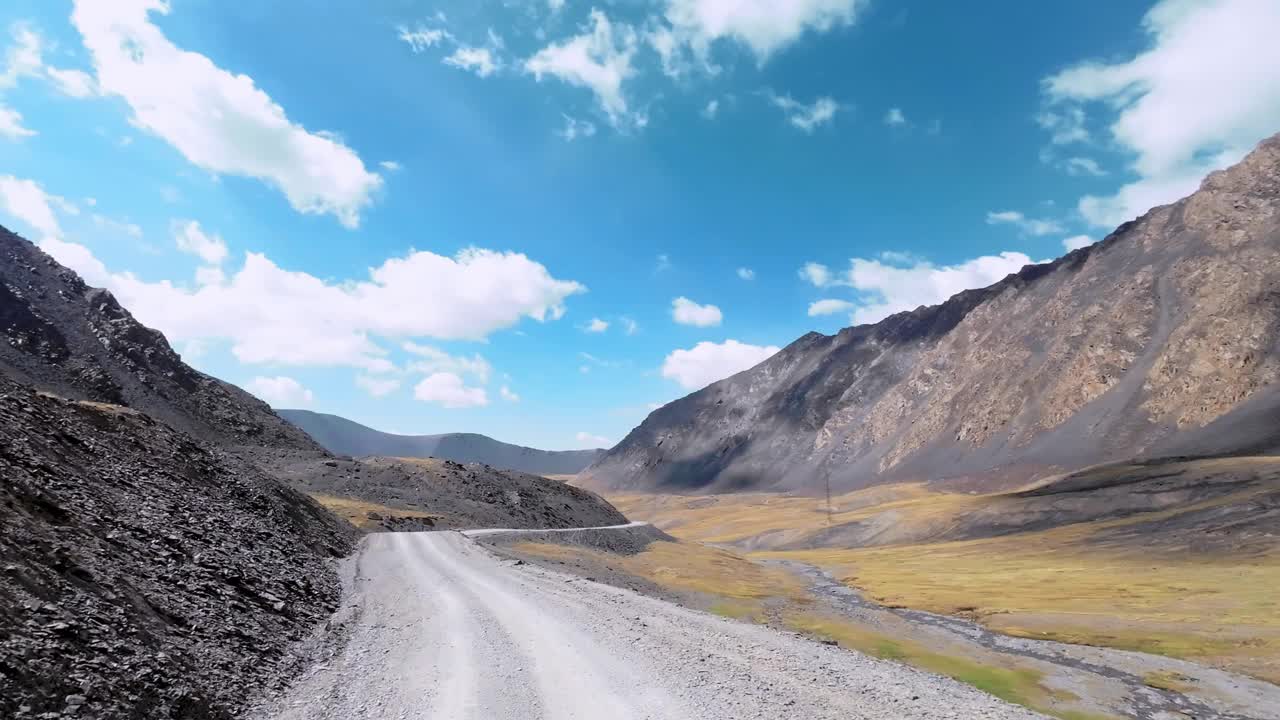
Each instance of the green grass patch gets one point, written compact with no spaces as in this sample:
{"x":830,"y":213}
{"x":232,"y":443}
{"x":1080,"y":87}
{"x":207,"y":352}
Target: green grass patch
{"x":1168,"y":680}
{"x":1017,"y":685}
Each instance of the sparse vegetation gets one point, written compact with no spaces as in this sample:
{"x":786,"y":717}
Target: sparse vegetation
{"x":357,"y":512}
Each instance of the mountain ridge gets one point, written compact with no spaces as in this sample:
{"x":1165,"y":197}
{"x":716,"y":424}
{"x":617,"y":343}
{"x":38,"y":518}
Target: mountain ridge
{"x":346,"y":437}
{"x":1158,"y":340}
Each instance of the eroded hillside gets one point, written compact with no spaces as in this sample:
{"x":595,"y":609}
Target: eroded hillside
{"x":1160,"y":339}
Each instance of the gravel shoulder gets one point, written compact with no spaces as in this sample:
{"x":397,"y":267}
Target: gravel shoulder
{"x":436,"y":626}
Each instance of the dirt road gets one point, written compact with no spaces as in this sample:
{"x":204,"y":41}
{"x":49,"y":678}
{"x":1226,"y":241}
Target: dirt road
{"x":434,"y":626}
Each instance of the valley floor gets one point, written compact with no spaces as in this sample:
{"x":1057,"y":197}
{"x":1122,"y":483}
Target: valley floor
{"x":436,"y":626}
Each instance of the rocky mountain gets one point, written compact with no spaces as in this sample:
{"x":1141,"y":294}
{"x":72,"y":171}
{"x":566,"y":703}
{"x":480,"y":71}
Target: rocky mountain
{"x":346,"y":437}
{"x":159,"y":552}
{"x":145,"y":573}
{"x":1159,"y":340}
{"x":58,"y":334}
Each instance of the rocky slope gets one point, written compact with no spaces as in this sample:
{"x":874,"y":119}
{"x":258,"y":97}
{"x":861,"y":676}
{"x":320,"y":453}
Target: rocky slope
{"x":145,"y":573}
{"x":451,"y":494}
{"x":58,"y":334}
{"x":1161,"y":339}
{"x":345,"y":437}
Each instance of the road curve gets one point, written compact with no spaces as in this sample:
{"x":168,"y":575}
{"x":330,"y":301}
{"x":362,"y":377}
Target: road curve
{"x":437,"y":627}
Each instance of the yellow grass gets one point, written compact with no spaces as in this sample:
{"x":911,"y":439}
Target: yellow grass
{"x":357,"y":512}
{"x":690,"y":568}
{"x":1222,"y":611}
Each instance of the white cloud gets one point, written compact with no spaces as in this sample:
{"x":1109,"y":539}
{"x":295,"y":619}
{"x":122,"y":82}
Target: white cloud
{"x":599,"y":60}
{"x":895,"y":117}
{"x":422,"y":38}
{"x":596,"y":326}
{"x":688,"y":312}
{"x":269,"y":314}
{"x":28,"y":202}
{"x":390,"y":166}
{"x":817,"y":274}
{"x":11,"y":126}
{"x":219,"y":121}
{"x":479,"y":60}
{"x":1077,"y":242}
{"x":711,"y":109}
{"x":574,"y":129}
{"x":888,"y":286}
{"x":281,"y":391}
{"x":1189,"y":104}
{"x":1031,"y":226}
{"x":434,"y":360}
{"x":448,"y":390}
{"x":829,"y":307}
{"x":1066,"y":125}
{"x":122,"y":227}
{"x":629,"y":326}
{"x":764,"y":27}
{"x":377,"y":386}
{"x":586,"y":439}
{"x":746,"y":273}
{"x":191,"y":239}
{"x":1083,"y":166}
{"x":708,"y":362}
{"x":508,"y":395}
{"x":806,"y":117}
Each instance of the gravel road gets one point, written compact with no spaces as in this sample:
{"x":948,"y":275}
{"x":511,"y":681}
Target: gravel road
{"x":434,"y":626}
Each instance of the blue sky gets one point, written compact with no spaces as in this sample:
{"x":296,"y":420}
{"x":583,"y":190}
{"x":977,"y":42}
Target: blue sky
{"x":538,"y":220}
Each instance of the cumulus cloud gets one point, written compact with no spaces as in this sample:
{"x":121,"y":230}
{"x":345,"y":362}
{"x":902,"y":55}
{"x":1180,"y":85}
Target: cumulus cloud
{"x":599,"y":60}
{"x":894,"y":117}
{"x":688,"y":312}
{"x":586,"y":439}
{"x":377,"y":386}
{"x":1076,"y":242}
{"x":711,"y":109}
{"x":887,"y":286}
{"x":596,"y":326}
{"x":448,"y":390}
{"x":763,"y":27}
{"x":746,"y":273}
{"x":1188,"y":104}
{"x":281,"y":391}
{"x":11,"y":126}
{"x":1030,"y":226}
{"x":191,"y":239}
{"x":220,"y":121}
{"x":829,"y":307}
{"x":805,"y":117}
{"x":508,"y":395}
{"x":708,"y":362}
{"x":816,"y":274}
{"x":268,"y":313}
{"x":27,"y":201}
{"x":432,"y":360}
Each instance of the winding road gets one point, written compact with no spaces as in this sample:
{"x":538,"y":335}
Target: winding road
{"x":435,"y":626}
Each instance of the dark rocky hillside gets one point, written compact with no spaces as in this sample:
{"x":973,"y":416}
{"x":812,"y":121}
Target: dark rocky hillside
{"x":345,"y":437}
{"x":58,"y":334}
{"x":146,"y":574}
{"x":1159,"y":340}
{"x":454,"y":495}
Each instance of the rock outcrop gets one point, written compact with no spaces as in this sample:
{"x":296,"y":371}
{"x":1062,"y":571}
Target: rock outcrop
{"x":1160,"y":339}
